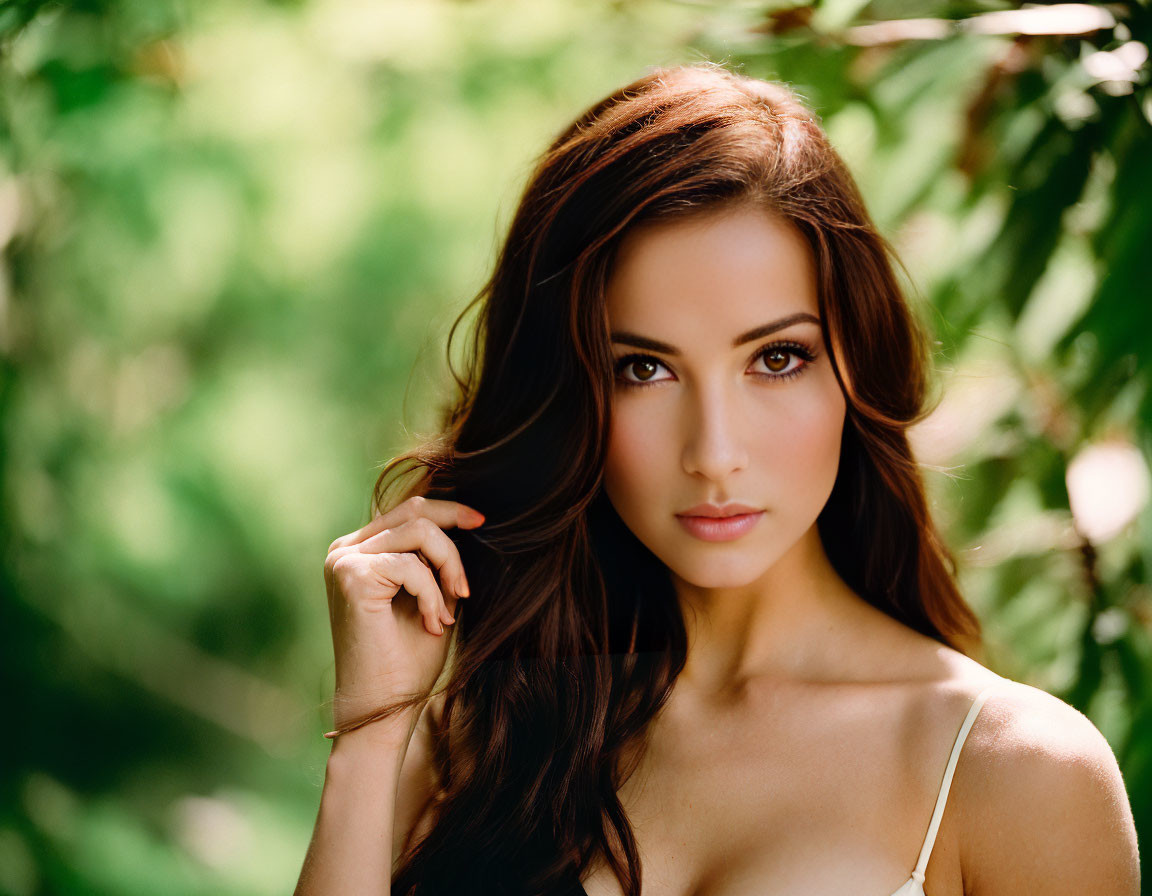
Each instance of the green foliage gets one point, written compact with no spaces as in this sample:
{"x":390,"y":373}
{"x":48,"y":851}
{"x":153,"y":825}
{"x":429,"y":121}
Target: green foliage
{"x":234,"y":236}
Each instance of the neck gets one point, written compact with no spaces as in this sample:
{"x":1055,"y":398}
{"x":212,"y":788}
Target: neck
{"x":788,"y":624}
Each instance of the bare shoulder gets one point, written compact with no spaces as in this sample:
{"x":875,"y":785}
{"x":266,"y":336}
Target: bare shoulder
{"x":1043,"y":807}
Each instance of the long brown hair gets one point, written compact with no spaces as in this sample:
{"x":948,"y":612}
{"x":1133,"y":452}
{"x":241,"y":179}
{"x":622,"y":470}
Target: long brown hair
{"x":573,"y":639}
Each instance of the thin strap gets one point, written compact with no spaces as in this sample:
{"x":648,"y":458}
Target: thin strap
{"x":942,"y":798}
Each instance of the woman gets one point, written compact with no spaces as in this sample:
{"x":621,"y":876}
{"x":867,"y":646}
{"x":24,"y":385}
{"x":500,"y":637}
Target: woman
{"x":713,"y":642}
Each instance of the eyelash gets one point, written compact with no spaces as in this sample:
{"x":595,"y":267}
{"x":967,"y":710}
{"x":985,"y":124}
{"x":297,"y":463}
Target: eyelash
{"x":792,"y":348}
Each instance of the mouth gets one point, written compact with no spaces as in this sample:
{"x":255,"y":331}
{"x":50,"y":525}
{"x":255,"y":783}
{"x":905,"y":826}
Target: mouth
{"x":719,"y":511}
{"x":719,"y":528}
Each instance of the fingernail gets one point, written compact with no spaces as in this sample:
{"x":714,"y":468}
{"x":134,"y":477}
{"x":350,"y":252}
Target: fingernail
{"x":473,"y":517}
{"x":464,"y":591}
{"x":439,"y":628}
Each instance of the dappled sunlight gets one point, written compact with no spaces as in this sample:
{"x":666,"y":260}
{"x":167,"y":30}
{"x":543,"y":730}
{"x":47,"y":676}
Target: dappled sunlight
{"x":1108,"y":486}
{"x":975,"y":397}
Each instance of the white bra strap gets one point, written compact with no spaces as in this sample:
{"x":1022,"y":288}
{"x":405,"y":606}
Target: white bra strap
{"x":942,"y":798}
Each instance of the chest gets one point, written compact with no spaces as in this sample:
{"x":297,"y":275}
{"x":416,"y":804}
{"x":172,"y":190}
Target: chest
{"x":774,"y":796}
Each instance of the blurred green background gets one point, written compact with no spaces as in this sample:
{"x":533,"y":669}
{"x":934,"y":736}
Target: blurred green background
{"x":234,"y":236}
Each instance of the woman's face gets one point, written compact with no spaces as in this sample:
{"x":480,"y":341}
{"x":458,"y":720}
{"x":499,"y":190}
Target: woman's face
{"x":724,"y":393}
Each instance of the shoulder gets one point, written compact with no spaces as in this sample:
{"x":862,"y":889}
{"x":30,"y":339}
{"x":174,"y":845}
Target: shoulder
{"x":1043,"y":807}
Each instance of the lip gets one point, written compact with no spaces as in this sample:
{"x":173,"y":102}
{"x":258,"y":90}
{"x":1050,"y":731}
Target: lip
{"x":711,"y":527}
{"x":718,"y":511}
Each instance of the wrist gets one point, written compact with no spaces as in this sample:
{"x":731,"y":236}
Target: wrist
{"x":352,"y":710}
{"x":389,"y":735}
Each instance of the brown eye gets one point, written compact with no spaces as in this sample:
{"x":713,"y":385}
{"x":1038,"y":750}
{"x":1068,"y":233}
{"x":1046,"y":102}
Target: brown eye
{"x":643,"y":370}
{"x":638,"y":370}
{"x":776,"y":360}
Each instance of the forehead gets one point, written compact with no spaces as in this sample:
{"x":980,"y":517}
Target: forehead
{"x":720,"y":273}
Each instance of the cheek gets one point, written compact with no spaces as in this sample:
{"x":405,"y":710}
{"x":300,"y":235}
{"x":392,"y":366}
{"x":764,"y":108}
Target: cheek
{"x":802,"y":436}
{"x":632,"y":452}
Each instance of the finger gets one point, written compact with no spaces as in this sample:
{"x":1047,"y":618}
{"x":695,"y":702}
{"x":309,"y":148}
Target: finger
{"x":392,"y":573}
{"x":432,"y":542}
{"x":405,"y":571}
{"x":330,"y":562}
{"x":444,"y":513}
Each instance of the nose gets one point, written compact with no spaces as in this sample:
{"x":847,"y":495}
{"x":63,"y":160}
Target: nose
{"x":714,"y":446}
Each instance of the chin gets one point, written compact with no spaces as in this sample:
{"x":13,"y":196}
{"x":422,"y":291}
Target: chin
{"x":738,"y":570}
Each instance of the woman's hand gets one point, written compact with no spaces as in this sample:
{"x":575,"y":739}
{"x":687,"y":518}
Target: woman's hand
{"x":392,"y":587}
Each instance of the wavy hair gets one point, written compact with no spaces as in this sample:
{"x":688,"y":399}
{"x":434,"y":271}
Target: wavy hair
{"x":572,"y":639}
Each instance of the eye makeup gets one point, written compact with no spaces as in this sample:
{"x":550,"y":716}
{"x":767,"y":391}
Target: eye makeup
{"x":805,"y":353}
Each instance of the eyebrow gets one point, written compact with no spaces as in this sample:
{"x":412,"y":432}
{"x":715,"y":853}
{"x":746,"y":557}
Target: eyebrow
{"x":633,"y":339}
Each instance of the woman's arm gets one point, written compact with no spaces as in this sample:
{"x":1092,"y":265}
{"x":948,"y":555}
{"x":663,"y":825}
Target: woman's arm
{"x":356,"y":831}
{"x":378,"y":789}
{"x":1047,"y":813}
{"x":392,"y":586}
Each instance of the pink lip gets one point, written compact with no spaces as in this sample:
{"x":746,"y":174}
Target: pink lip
{"x":719,"y":528}
{"x":718,"y":510}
